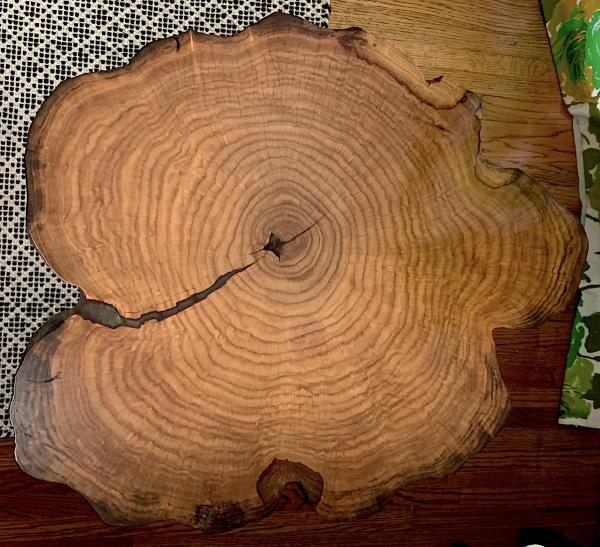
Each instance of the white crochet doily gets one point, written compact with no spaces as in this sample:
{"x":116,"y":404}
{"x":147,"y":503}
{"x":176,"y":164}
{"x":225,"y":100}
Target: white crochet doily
{"x":44,"y":42}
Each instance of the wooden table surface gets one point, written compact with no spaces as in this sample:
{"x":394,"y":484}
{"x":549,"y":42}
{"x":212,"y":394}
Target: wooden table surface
{"x":535,"y":473}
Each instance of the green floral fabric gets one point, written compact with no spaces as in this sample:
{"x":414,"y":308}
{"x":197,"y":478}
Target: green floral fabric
{"x":574,"y":30}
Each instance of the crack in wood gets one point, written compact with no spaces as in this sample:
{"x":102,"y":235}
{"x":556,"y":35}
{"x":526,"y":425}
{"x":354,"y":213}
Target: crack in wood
{"x":435,"y":80}
{"x":48,"y":380}
{"x":107,"y":315}
{"x":275,"y":243}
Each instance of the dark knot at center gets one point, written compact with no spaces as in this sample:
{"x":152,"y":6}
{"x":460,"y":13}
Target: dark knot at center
{"x":274,"y":245}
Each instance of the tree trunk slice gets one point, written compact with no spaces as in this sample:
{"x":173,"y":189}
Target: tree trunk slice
{"x":292,"y":258}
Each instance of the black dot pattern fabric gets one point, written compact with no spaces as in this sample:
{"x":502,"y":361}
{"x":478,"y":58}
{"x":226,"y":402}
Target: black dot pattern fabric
{"x":42,"y":43}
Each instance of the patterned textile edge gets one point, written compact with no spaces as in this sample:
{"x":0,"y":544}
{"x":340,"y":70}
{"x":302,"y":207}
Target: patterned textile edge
{"x":42,"y":43}
{"x":573,"y":28}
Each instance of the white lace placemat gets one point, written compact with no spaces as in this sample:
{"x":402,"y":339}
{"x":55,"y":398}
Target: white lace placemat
{"x":44,"y":42}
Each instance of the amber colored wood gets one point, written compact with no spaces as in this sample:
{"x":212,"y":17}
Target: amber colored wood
{"x":293,"y":259}
{"x":499,"y":50}
{"x":534,"y":473}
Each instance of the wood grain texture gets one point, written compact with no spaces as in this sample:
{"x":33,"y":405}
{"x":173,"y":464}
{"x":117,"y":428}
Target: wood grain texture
{"x":355,"y":254}
{"x":535,"y":473}
{"x":500,"y":51}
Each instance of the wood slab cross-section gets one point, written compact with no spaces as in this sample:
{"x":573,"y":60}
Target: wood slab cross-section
{"x":291,"y":259}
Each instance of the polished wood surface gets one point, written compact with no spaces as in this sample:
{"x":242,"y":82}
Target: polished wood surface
{"x":498,"y":49}
{"x":534,"y":474}
{"x":369,"y":254}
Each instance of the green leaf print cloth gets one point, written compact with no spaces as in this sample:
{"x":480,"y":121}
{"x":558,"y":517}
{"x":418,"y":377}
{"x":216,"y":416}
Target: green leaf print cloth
{"x":574,"y":30}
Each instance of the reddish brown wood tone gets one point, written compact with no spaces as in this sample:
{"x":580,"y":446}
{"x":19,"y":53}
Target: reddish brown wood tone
{"x":356,"y":354}
{"x":534,"y":474}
